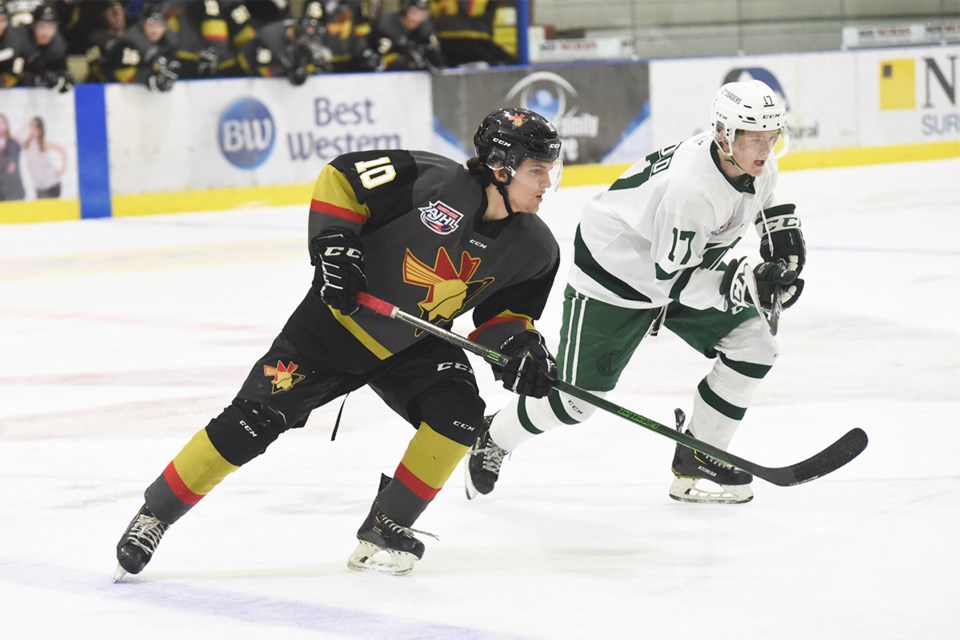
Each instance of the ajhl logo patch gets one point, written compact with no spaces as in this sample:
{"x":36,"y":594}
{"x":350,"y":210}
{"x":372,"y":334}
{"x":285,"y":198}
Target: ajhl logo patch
{"x":440,"y":218}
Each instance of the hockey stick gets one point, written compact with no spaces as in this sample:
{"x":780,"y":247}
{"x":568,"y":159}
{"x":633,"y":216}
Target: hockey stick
{"x":830,"y":459}
{"x":773,"y":319}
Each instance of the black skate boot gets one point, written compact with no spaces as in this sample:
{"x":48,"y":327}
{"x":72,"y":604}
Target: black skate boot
{"x":730,"y":485}
{"x":483,"y":463}
{"x":138,"y":542}
{"x":384,"y":545}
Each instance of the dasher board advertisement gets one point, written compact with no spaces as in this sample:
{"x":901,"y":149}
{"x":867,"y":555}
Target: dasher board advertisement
{"x":249,"y":132}
{"x":38,"y":145}
{"x":600,"y":110}
{"x":819,"y":91}
{"x":842,"y":100}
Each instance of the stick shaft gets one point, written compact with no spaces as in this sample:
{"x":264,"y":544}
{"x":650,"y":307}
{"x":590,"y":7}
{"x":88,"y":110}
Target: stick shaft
{"x":830,"y":459}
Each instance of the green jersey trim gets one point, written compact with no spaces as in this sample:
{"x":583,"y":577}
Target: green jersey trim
{"x":583,"y":258}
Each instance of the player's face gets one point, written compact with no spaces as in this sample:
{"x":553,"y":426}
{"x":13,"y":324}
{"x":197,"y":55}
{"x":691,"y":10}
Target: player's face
{"x":154,"y":30}
{"x":116,"y":18}
{"x":532,"y":180}
{"x":413,"y":18}
{"x":752,"y":150}
{"x":44,"y":31}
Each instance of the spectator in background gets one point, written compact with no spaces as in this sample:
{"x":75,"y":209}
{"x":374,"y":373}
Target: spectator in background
{"x":405,"y":39}
{"x":45,"y":53}
{"x":11,"y":183}
{"x":144,"y":54}
{"x":465,"y":31}
{"x":45,"y":171}
{"x":291,"y":49}
{"x":12,"y":46}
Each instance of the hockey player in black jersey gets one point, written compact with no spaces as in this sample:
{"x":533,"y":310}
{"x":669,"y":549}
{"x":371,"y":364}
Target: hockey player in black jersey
{"x":13,"y":44}
{"x":437,"y":239}
{"x":45,"y":53}
{"x":144,"y":54}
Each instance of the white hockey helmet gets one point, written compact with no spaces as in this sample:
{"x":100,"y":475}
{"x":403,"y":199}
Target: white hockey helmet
{"x":747,"y":106}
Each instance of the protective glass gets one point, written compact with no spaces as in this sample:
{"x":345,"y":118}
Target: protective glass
{"x":539,"y":174}
{"x":763,"y":140}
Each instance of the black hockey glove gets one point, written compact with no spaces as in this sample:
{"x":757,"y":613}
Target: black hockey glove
{"x":59,"y":81}
{"x":369,"y":60}
{"x":297,"y":76}
{"x":743,"y":280}
{"x":781,"y":238}
{"x":208,"y":64}
{"x":338,"y":257}
{"x":294,"y":60}
{"x":165,"y":73}
{"x":319,"y":56}
{"x":531,"y":370}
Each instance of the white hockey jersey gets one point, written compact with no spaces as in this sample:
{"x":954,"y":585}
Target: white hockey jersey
{"x":660,"y":231}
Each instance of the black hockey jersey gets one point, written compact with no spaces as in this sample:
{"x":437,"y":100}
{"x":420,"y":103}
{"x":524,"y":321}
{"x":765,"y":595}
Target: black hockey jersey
{"x":428,"y":251}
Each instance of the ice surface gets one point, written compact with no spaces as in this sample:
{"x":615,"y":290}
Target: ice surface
{"x":120,"y":338}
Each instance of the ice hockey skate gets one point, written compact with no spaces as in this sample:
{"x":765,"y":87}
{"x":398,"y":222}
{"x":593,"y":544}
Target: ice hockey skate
{"x":702,"y":478}
{"x":483,"y":464}
{"x":386,"y":546}
{"x":138,"y":543}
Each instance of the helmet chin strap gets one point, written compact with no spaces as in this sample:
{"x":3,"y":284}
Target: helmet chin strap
{"x":502,"y":190}
{"x":728,"y":155}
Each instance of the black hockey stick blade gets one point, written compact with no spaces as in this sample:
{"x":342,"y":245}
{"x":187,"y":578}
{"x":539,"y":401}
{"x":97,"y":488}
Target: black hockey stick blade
{"x":830,"y":459}
{"x":848,"y":447}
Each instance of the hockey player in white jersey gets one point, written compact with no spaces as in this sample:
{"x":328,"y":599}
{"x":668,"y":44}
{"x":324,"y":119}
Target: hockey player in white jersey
{"x":649,"y":252}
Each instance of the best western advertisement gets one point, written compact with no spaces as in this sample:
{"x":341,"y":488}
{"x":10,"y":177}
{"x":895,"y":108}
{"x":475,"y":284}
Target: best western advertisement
{"x":258,"y":132}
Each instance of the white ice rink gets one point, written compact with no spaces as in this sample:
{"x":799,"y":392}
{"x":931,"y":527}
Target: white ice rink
{"x":120,"y":338}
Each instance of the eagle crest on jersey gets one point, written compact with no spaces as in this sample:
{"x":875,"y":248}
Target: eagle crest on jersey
{"x":448,"y":288}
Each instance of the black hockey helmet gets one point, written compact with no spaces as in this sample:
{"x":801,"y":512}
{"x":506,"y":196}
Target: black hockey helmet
{"x":507,"y":136}
{"x":45,"y":13}
{"x":405,"y":5}
{"x":154,"y":11}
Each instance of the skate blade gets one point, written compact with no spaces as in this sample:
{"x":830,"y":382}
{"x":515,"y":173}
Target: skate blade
{"x":369,"y":556}
{"x":119,"y":574}
{"x":685,"y":489}
{"x":468,"y":487}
